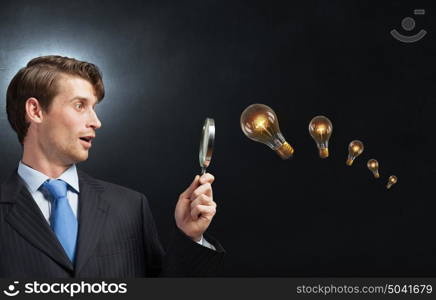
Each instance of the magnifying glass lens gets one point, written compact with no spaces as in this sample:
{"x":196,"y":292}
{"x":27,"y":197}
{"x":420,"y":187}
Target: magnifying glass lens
{"x":206,"y":144}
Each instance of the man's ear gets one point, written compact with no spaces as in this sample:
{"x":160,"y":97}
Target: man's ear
{"x":33,"y":110}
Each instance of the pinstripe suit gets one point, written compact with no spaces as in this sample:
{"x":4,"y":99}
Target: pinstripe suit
{"x":117,"y":237}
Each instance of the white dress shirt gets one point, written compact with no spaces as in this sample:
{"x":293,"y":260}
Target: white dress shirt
{"x":34,"y":179}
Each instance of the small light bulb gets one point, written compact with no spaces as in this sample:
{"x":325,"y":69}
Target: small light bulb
{"x":355,"y":148}
{"x":320,"y":128}
{"x":259,"y":123}
{"x":373,"y":167}
{"x":391,"y":181}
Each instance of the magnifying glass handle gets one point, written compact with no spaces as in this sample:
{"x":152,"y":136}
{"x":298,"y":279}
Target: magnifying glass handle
{"x":203,"y":170}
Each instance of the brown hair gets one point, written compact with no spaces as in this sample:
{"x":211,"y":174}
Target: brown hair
{"x":38,"y":80}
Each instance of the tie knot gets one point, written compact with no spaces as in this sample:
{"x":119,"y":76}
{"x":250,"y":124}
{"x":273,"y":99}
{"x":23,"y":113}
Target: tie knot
{"x":56,"y":187}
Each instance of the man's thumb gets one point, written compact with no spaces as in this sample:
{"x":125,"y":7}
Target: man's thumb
{"x":193,"y":186}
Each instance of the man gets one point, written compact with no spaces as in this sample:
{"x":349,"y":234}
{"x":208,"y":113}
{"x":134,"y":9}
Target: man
{"x":56,"y":221}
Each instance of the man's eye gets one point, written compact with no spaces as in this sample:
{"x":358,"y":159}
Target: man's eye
{"x":79,"y":105}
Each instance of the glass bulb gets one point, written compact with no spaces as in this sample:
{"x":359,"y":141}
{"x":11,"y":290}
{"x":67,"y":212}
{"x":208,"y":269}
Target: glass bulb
{"x":355,"y":148}
{"x":391,"y":181}
{"x":373,"y":167}
{"x":259,"y":123}
{"x":320,"y":128}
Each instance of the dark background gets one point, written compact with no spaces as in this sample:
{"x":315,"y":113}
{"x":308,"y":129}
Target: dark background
{"x":168,"y":65}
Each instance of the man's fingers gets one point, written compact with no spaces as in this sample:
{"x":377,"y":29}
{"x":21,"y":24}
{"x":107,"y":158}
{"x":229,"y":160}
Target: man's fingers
{"x":202,"y":200}
{"x":205,"y":188}
{"x":203,"y":210}
{"x":207,"y":177}
{"x":192,"y":187}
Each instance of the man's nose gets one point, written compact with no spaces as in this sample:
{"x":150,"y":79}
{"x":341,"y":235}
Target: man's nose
{"x":94,"y":120}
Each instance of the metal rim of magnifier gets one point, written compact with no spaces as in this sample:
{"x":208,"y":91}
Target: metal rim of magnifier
{"x":206,"y":143}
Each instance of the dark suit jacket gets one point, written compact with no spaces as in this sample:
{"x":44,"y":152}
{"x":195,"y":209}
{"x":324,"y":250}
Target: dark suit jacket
{"x":117,"y":237}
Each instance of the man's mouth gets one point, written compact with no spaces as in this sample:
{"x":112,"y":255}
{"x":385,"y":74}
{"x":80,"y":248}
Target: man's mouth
{"x":87,"y":140}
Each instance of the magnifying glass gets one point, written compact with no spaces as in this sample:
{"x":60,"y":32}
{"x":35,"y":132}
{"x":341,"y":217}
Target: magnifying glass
{"x":206,"y":144}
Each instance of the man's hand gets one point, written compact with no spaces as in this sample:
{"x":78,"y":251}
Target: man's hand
{"x":196,"y":208}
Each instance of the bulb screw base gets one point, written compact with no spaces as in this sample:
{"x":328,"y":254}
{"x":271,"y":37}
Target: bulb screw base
{"x":376,"y":174}
{"x":324,"y":152}
{"x":285,"y":151}
{"x":349,"y":161}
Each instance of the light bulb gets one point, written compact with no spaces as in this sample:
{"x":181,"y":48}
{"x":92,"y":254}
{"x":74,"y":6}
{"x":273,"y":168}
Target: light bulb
{"x":320,"y":128}
{"x":355,"y":148}
{"x":373,"y":167}
{"x":259,"y":123}
{"x":391,"y":181}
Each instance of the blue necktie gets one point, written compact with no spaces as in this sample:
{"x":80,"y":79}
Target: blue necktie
{"x":62,"y":219}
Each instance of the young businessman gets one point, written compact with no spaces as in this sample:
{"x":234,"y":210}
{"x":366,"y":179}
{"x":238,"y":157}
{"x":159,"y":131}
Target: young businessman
{"x":56,"y":221}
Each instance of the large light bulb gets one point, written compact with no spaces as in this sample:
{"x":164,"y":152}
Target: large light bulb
{"x":320,"y":128}
{"x":259,"y":123}
{"x":354,"y":150}
{"x":391,"y":181}
{"x":373,"y":167}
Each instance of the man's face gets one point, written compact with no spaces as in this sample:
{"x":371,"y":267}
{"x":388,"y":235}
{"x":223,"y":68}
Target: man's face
{"x":69,"y":126}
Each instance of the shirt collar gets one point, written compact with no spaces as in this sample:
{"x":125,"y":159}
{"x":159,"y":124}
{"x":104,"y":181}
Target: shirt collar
{"x":34,"y":179}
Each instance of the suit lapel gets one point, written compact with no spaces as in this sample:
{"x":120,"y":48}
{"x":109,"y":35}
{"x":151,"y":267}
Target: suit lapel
{"x":27,"y":219}
{"x":92,"y":216}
